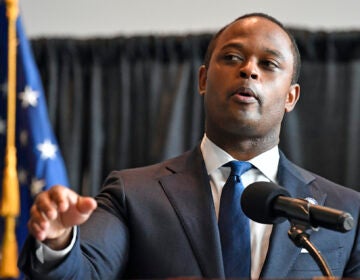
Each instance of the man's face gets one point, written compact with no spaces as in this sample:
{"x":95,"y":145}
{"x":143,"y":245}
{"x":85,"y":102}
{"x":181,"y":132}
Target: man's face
{"x":247,"y":86}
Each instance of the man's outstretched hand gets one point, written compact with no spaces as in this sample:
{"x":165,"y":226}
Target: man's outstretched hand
{"x":55,"y":212}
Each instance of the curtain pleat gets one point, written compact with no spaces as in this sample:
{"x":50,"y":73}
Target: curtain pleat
{"x":131,"y":101}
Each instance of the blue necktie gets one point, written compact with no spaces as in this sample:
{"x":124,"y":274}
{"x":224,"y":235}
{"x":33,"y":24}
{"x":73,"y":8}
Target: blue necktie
{"x":234,"y":225}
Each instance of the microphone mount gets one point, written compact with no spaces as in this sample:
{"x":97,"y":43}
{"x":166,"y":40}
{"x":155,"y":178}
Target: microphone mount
{"x":301,"y":239}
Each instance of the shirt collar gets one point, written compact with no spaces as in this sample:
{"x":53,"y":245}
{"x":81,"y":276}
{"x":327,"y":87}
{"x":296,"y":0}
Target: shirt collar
{"x":215,"y":157}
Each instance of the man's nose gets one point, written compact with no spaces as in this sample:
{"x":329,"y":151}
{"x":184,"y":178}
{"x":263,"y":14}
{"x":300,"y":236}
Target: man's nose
{"x":249,"y":70}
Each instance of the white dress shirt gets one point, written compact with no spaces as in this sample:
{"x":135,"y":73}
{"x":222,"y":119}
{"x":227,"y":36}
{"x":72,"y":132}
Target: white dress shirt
{"x":266,"y":170}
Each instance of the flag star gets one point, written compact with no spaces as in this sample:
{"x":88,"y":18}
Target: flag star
{"x":47,"y":149}
{"x":2,"y":126}
{"x":29,"y":97}
{"x":24,"y":137}
{"x":22,"y":176}
{"x":36,"y":186}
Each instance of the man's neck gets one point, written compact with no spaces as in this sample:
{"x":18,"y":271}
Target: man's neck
{"x":244,"y":148}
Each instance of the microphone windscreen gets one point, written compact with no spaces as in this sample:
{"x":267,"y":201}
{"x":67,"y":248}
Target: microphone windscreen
{"x":257,"y":202}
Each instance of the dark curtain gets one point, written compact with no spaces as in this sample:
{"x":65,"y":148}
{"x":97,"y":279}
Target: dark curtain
{"x":323,"y":133}
{"x":131,"y":101}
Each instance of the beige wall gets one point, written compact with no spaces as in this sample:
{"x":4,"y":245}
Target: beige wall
{"x":113,"y":17}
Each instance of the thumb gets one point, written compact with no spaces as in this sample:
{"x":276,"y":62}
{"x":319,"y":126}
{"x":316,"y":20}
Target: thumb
{"x":79,"y":212}
{"x":86,"y":205}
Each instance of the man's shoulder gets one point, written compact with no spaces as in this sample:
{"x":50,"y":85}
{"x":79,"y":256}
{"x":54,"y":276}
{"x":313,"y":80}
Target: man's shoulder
{"x":334,"y":190}
{"x":319,"y":178}
{"x":317,"y":182}
{"x":158,"y":170}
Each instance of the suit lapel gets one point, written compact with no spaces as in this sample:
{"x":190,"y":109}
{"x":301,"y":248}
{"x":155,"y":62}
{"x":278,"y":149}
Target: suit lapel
{"x":282,"y":253}
{"x":188,"y":190}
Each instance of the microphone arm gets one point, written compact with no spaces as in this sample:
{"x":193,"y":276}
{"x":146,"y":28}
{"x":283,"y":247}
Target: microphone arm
{"x":304,"y":212}
{"x":301,"y":239}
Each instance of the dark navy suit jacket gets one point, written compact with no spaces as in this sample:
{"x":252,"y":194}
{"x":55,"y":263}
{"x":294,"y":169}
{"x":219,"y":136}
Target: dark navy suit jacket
{"x":159,"y":222}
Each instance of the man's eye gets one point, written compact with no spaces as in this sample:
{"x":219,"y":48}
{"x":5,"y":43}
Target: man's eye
{"x":233,"y":57}
{"x":270,"y":64}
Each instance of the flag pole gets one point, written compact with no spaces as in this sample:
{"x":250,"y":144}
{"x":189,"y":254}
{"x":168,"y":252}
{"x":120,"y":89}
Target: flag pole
{"x":10,"y":204}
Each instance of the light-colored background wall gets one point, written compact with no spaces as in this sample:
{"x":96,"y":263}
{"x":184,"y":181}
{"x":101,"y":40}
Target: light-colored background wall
{"x":89,"y":18}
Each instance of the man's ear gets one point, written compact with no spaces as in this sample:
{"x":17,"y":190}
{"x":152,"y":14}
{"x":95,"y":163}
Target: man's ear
{"x":292,"y":97}
{"x":202,"y":79}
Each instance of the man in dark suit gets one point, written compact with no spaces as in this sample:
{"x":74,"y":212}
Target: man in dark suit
{"x":161,"y":221}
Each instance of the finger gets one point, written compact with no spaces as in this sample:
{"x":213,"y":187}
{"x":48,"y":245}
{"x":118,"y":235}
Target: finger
{"x":63,"y":197}
{"x":39,"y":225}
{"x":43,"y":204}
{"x":38,"y":217}
{"x":36,"y":231}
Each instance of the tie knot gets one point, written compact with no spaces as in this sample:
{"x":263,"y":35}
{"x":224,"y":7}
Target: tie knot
{"x":238,"y":167}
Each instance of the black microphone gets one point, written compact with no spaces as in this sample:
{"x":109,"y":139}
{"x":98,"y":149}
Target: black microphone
{"x":268,"y":203}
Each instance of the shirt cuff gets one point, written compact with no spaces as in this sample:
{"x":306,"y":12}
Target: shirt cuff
{"x":46,"y":254}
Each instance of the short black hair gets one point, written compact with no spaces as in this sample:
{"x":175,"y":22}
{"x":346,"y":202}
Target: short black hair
{"x":294,"y":47}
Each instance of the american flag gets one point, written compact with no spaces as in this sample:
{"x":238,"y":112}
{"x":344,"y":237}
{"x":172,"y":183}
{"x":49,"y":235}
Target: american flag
{"x":39,"y":162}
